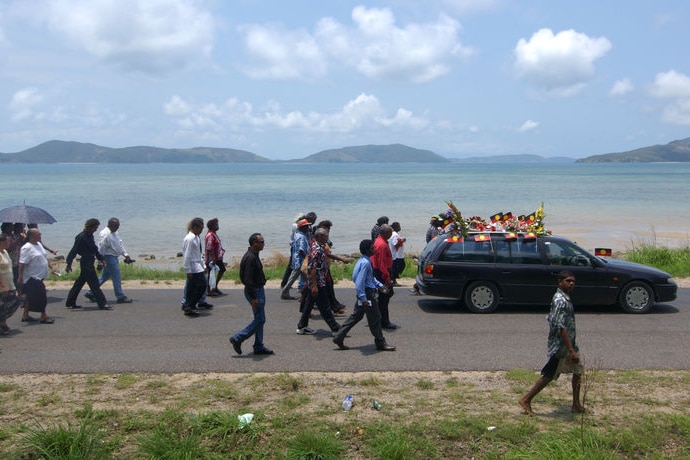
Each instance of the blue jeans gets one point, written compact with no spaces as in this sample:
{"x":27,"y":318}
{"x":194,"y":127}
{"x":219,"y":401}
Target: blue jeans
{"x":112,"y":272}
{"x":256,"y":327}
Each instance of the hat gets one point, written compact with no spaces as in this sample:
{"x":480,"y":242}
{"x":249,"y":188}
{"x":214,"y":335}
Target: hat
{"x":302,"y":223}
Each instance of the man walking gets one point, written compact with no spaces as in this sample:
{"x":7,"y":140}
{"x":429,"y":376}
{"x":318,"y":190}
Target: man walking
{"x":317,"y":286}
{"x":193,"y":265}
{"x":382,"y":262}
{"x":299,"y":250}
{"x":85,"y":246}
{"x":253,"y":277}
{"x":111,"y":247}
{"x":562,"y":349}
{"x":366,"y":287}
{"x":397,"y":245}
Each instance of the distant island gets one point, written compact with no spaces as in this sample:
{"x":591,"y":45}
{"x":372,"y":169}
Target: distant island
{"x":57,"y":151}
{"x":676,"y":151}
{"x":77,"y":152}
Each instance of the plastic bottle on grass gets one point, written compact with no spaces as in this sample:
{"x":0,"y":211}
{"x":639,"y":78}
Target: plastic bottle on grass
{"x":347,"y":402}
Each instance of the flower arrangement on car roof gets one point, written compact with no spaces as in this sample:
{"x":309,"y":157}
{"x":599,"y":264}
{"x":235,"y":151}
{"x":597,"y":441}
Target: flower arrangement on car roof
{"x":453,"y":222}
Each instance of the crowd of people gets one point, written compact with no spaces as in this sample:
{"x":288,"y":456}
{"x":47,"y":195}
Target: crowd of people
{"x":24,"y":265}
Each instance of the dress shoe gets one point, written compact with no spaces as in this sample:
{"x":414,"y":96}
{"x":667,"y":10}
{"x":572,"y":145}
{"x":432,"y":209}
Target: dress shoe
{"x":205,"y":306}
{"x":191,"y":312}
{"x":236,"y":345}
{"x":105,"y":307}
{"x":340,"y":344}
{"x":386,"y":347}
{"x":263,"y":351}
{"x":124,"y":300}
{"x":390,"y":326}
{"x":73,"y":307}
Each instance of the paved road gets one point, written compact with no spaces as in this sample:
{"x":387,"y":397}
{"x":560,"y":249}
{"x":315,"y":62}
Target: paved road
{"x":152,"y":335}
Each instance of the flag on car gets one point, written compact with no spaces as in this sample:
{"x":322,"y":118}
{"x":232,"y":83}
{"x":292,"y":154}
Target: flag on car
{"x":603,"y":252}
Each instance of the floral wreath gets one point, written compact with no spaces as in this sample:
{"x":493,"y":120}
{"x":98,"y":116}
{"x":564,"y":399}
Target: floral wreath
{"x":453,"y":222}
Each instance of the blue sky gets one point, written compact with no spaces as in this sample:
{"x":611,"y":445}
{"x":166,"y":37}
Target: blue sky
{"x":285,"y":79}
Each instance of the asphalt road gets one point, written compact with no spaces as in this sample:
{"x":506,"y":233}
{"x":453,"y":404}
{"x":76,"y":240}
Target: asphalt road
{"x":152,"y":335}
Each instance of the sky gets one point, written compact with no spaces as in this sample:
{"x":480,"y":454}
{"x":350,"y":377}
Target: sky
{"x":286,"y":79}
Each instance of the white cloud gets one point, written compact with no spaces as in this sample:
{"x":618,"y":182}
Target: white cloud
{"x":675,"y":86}
{"x":23,"y":104}
{"x":374,"y":45}
{"x":281,"y":54}
{"x":529,"y":125}
{"x":671,"y":84}
{"x":176,"y":106}
{"x":560,"y":63}
{"x":364,"y":112}
{"x":621,"y":87}
{"x":154,"y":36}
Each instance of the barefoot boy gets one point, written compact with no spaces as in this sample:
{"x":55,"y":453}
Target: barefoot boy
{"x":562,"y":349}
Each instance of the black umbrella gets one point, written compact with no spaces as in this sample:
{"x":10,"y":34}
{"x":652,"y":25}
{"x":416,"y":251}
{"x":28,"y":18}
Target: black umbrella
{"x":26,"y":215}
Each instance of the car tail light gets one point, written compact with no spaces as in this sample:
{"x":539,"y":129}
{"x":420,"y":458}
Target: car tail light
{"x":429,"y":270}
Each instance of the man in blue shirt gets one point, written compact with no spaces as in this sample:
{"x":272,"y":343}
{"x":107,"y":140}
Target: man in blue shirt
{"x":366,"y":288}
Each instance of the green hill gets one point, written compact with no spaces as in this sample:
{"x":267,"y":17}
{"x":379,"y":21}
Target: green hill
{"x":77,"y":152}
{"x":676,"y":151}
{"x":394,"y":153}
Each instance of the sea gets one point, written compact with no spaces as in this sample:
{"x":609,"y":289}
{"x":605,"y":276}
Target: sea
{"x":617,"y":206}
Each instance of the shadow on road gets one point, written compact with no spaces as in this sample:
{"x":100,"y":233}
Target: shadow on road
{"x":437,"y":305}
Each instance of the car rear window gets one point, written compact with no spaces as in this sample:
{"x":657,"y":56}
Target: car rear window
{"x":468,"y":250}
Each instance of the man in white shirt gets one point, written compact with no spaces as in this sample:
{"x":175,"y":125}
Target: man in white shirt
{"x":193,"y":265}
{"x":397,"y":245}
{"x":111,"y":248}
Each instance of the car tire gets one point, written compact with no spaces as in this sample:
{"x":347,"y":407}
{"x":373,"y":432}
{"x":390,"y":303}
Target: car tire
{"x":481,"y":297}
{"x":636,"y":297}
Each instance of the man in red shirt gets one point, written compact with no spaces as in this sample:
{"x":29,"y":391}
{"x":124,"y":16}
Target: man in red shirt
{"x":382,"y":262}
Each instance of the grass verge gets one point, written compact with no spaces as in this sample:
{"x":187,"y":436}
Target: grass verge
{"x":634,"y":414}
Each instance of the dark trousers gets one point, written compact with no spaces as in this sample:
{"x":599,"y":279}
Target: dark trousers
{"x":332,"y":301}
{"x":397,"y":269}
{"x":384,"y":300}
{"x":87,"y":275}
{"x":373,"y":318}
{"x":196,"y":287}
{"x":322,"y":304}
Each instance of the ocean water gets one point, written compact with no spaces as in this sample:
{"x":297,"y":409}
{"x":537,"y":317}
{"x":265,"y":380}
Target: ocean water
{"x":597,"y":205}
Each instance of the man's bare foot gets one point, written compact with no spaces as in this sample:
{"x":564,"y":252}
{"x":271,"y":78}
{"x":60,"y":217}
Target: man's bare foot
{"x":526,"y":406}
{"x":579,"y":409}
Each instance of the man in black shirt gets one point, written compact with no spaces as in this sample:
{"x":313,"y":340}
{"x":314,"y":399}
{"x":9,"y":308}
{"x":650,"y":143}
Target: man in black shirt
{"x":253,"y":277}
{"x":85,"y":246}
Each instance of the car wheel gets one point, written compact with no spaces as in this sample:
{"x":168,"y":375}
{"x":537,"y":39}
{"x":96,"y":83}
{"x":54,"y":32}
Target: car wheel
{"x":636,"y":297}
{"x":481,"y":297}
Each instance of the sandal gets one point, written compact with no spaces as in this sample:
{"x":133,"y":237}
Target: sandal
{"x":47,"y":320}
{"x":29,"y":319}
